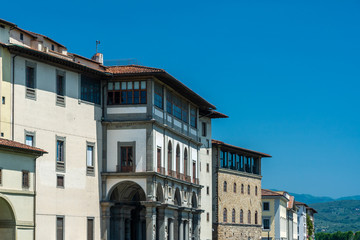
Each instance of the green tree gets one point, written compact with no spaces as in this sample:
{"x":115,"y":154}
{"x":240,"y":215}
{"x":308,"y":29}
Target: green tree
{"x":309,"y":226}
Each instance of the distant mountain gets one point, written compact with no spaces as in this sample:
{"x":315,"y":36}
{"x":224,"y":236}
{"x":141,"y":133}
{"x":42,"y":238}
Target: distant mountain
{"x":309,"y":199}
{"x":357,"y":197}
{"x":340,"y":215}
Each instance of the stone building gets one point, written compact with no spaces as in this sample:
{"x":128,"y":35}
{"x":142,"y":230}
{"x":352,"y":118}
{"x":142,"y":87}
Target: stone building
{"x":17,"y":190}
{"x":236,"y":192}
{"x":124,"y":142}
{"x":279,"y":217}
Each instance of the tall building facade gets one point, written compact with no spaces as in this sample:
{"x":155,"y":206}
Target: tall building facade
{"x":125,"y":144}
{"x":236,"y":192}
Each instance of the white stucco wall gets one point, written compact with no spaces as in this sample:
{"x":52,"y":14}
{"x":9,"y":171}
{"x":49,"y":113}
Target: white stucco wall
{"x":78,"y":123}
{"x":126,"y":135}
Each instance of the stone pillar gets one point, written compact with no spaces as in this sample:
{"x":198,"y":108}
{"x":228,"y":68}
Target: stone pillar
{"x":163,"y":227}
{"x":150,"y":223}
{"x":171,"y":229}
{"x":181,"y":229}
{"x":190,"y":226}
{"x":105,"y":220}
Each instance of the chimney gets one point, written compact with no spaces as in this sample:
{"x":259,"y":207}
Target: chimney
{"x":98,"y":57}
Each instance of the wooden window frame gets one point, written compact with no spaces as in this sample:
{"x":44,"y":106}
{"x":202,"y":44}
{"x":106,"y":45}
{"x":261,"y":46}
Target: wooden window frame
{"x":129,"y":146}
{"x":30,"y":80}
{"x":25,"y":179}
{"x":90,"y":169}
{"x":158,"y":158}
{"x":60,"y":164}
{"x":60,"y":179}
{"x":62,"y":218}
{"x":124,"y":93}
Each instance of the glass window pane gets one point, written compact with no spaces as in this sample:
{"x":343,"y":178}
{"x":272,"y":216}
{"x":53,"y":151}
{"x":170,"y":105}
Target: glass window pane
{"x":123,"y":86}
{"x":29,"y":140}
{"x":110,"y":86}
{"x":136,"y":97}
{"x":129,"y":85}
{"x":89,"y":156}
{"x":143,"y":84}
{"x":143,"y":97}
{"x":123,"y":97}
{"x":136,"y":85}
{"x":129,"y":98}
{"x":117,"y":85}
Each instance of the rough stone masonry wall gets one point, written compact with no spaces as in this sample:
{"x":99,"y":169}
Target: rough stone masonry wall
{"x":237,"y":200}
{"x":238,"y":232}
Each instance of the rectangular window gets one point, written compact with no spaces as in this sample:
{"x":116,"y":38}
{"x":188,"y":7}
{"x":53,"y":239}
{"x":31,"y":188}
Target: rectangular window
{"x":30,"y":80}
{"x":133,"y":92}
{"x":159,"y":96}
{"x":207,"y":217}
{"x":90,"y":229}
{"x":184,"y":112}
{"x":60,"y":181}
{"x":193,"y":117}
{"x":207,"y":190}
{"x":29,"y":140}
{"x":266,"y":224}
{"x":60,"y":88}
{"x":204,"y":130}
{"x":266,"y":206}
{"x":207,"y":167}
{"x":25,"y":179}
{"x":127,"y":161}
{"x":59,"y":228}
{"x":90,"y":89}
{"x":90,"y":159}
{"x":21,"y":36}
{"x":60,"y":153}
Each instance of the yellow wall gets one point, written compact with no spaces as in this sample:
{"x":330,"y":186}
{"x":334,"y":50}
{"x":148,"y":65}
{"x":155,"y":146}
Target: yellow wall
{"x":5,"y":91}
{"x":271,"y":214}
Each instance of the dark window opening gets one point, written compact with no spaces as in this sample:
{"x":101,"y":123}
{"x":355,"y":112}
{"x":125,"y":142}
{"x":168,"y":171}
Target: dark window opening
{"x":90,"y":89}
{"x":127,"y":161}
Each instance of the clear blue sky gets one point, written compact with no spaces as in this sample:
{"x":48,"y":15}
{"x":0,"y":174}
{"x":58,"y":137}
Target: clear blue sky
{"x":286,"y":72}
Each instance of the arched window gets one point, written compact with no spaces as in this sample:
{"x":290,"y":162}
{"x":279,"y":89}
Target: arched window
{"x":249,"y":189}
{"x":225,"y":215}
{"x":242,"y":188}
{"x":249,"y":217}
{"x":256,"y":217}
{"x":234,"y":187}
{"x":185,"y":162}
{"x":225,"y":186}
{"x":241,"y":216}
{"x":255,"y":190}
{"x":169,"y":158}
{"x":177,"y":161}
{"x":233,"y":215}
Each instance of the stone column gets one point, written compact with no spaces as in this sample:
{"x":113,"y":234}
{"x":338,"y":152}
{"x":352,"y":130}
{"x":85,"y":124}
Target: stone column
{"x":181,"y":229}
{"x":190,"y":226}
{"x":150,"y":223}
{"x":171,"y":229}
{"x":105,"y":220}
{"x":163,"y":227}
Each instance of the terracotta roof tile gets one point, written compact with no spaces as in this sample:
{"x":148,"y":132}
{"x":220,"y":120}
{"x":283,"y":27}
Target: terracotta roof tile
{"x":267,"y":192}
{"x":128,"y":69}
{"x":16,"y":145}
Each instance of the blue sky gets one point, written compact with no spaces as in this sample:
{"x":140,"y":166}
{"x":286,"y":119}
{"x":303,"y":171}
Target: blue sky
{"x":286,"y":72}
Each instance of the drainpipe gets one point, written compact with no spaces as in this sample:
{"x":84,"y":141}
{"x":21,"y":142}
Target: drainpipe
{"x":34,"y":199}
{"x":13,"y":98}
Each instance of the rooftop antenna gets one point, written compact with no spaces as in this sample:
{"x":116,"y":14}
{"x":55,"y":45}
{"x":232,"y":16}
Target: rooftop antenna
{"x":97,"y":43}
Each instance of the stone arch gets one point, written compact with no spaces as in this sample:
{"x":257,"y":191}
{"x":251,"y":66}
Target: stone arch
{"x":159,"y":193}
{"x":127,"y":191}
{"x":177,"y":197}
{"x":194,"y":200}
{"x":7,"y":219}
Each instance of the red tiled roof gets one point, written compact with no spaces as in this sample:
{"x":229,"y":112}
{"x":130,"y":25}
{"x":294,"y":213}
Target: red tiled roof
{"x":5,"y":143}
{"x":239,"y":148}
{"x":301,"y":203}
{"x":291,"y":202}
{"x":267,"y":192}
{"x":128,"y":69}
